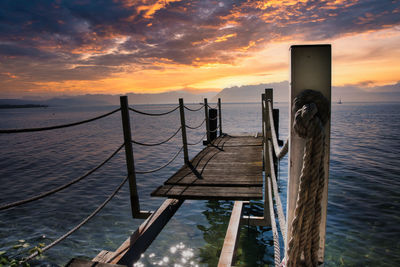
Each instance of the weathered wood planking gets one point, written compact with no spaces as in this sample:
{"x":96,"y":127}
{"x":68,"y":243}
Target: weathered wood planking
{"x":231,"y":168}
{"x":226,"y":259}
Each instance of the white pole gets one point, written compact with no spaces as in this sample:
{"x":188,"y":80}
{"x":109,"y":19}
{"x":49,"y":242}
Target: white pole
{"x":310,"y":69}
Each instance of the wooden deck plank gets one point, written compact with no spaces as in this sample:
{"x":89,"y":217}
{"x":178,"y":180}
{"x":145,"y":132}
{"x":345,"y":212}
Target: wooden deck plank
{"x":210,"y":192}
{"x":231,"y":168}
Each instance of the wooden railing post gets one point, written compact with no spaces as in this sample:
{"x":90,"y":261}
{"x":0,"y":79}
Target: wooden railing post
{"x":207,"y":120}
{"x":212,"y":126}
{"x":219,"y":117}
{"x":267,"y":137}
{"x":130,"y":164}
{"x":310,"y":69}
{"x":183,"y":127}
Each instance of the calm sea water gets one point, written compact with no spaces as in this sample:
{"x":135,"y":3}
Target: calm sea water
{"x":363,"y":227}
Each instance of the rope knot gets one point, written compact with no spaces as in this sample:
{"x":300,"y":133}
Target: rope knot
{"x":304,"y":120}
{"x":311,"y":113}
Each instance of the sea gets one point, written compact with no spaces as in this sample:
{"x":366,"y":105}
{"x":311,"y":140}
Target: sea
{"x":363,"y":221}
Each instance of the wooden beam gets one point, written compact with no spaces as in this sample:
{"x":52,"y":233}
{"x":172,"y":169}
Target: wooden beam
{"x":129,"y":252}
{"x":88,"y":263}
{"x":310,"y":69}
{"x":232,"y":235}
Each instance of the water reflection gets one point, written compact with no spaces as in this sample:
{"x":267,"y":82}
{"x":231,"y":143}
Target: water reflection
{"x":179,"y":256}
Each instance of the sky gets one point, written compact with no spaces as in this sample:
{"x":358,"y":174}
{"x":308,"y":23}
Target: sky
{"x":73,"y":47}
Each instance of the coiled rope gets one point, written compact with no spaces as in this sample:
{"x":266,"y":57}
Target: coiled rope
{"x":311,"y":110}
{"x":196,"y":109}
{"x":163,"y":166}
{"x":157,"y":144}
{"x":153,"y":114}
{"x":7,"y":131}
{"x":196,"y":127}
{"x":94,"y":213}
{"x":55,"y":190}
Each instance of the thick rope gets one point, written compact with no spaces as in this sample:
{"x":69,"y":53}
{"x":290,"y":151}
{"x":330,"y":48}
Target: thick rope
{"x":277,"y":253}
{"x":279,"y":152}
{"x":55,"y":190}
{"x":157,"y":144}
{"x":196,"y":127}
{"x":311,"y":113}
{"x":163,"y":166}
{"x":284,"y":150}
{"x":153,"y":114}
{"x":196,"y":109}
{"x":279,"y":208}
{"x":57,"y":126}
{"x":94,"y":213}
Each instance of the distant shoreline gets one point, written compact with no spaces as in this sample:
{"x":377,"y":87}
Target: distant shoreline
{"x":6,"y":106}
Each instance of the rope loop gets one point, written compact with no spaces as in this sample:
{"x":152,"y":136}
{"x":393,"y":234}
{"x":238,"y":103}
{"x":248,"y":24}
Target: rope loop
{"x":159,"y":143}
{"x":196,"y":109}
{"x":153,"y":114}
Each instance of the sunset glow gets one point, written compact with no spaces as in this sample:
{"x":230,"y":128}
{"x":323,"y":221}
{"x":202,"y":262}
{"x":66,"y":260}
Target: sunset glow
{"x":80,"y":47}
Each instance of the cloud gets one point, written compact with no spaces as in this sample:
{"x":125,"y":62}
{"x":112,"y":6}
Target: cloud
{"x":90,"y":39}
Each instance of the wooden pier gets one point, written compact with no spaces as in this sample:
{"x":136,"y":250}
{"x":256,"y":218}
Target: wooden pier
{"x":230,"y":168}
{"x":234,"y":167}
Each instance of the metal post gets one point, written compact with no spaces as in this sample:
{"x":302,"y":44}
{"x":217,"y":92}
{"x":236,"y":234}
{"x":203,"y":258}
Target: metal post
{"x":207,"y":120}
{"x":310,"y":69}
{"x":130,"y":164}
{"x":219,"y":117}
{"x":183,"y":127}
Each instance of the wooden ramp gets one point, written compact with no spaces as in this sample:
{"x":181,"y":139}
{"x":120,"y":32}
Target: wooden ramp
{"x":230,"y":168}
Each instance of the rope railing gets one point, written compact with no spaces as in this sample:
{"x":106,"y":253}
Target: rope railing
{"x":196,"y":127}
{"x":196,"y":109}
{"x":153,"y":114}
{"x":94,"y":213}
{"x":279,"y":208}
{"x":163,"y":166}
{"x":159,"y":143}
{"x":198,"y":142}
{"x":216,"y":107}
{"x":26,"y":130}
{"x":55,"y":190}
{"x":279,"y":152}
{"x":277,"y":253}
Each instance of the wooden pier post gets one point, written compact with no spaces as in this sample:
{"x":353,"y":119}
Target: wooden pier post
{"x":213,"y":114}
{"x":183,"y":129}
{"x":219,"y":116}
{"x":207,"y":120}
{"x":130,"y":164}
{"x":267,"y":137}
{"x":263,"y":107}
{"x":310,"y":69}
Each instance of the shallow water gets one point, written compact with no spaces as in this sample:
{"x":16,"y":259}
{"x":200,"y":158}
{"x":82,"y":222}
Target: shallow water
{"x":363,"y":210}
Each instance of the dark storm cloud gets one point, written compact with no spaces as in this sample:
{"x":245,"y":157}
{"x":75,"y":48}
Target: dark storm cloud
{"x":83,"y":39}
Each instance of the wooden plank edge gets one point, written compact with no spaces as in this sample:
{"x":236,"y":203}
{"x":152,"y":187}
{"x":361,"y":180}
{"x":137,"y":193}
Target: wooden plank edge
{"x":227,"y":255}
{"x":87,"y":263}
{"x":130,"y":251}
